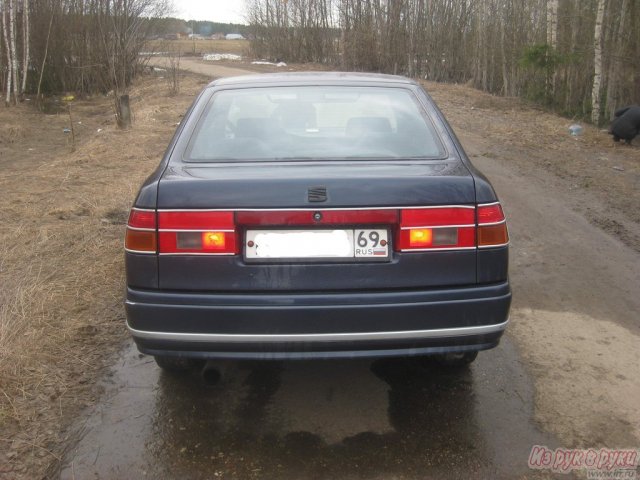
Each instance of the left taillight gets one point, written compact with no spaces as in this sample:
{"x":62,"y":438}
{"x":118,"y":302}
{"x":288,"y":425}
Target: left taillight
{"x":197,"y":233}
{"x":141,"y":236}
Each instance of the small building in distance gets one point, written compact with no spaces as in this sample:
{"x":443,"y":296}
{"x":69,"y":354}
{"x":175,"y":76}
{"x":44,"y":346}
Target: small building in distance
{"x":218,"y":36}
{"x":174,"y":36}
{"x":234,"y":36}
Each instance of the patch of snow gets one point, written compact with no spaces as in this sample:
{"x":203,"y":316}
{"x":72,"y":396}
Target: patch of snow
{"x":216,"y":57}
{"x":262,"y":62}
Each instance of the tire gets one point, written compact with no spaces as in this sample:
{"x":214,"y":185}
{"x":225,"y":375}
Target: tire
{"x":456,"y":360}
{"x":174,"y":364}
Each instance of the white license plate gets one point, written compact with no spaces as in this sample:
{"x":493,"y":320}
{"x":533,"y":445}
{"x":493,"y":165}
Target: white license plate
{"x":372,"y":244}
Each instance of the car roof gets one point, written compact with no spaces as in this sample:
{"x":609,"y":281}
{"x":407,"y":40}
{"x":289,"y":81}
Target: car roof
{"x":310,"y":78}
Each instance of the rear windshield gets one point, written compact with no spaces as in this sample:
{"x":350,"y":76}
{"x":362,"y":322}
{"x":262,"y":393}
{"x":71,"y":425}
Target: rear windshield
{"x":313,"y":123}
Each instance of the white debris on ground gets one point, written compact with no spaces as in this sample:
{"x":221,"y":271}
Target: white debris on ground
{"x":216,"y":57}
{"x":262,"y":62}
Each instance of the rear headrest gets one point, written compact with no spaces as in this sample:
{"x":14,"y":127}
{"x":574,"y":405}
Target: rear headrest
{"x":363,"y":125}
{"x":252,"y":127}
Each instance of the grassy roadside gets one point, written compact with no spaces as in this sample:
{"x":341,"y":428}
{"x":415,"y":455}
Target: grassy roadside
{"x":61,"y":262}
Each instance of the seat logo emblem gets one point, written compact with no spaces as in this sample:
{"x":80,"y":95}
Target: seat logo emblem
{"x":317,"y":194}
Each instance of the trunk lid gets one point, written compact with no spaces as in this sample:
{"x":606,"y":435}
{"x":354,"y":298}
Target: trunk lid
{"x":291,"y":187}
{"x":286,"y":185}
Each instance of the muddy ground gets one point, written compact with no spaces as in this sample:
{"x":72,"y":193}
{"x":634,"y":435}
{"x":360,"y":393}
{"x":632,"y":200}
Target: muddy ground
{"x":78,"y":401}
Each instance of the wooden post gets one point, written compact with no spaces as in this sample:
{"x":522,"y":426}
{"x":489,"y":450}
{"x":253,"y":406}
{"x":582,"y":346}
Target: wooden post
{"x":124,"y":112}
{"x":73,"y":131}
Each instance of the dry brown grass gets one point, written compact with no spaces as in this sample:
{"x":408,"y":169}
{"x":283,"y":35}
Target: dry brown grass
{"x":11,"y":133}
{"x":61,"y":261}
{"x":199,"y":47}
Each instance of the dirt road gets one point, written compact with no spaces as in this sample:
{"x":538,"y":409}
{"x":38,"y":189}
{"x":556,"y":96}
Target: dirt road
{"x":564,"y":375}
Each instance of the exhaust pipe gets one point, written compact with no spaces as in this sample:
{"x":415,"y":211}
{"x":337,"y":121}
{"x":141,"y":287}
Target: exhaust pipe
{"x":211,"y":373}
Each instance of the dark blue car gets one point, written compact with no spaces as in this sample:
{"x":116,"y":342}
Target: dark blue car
{"x":316,"y":215}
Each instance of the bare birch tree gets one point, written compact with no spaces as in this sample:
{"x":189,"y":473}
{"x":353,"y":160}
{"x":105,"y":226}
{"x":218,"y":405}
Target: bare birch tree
{"x":92,"y":46}
{"x":597,"y":64}
{"x":5,"y":32}
{"x":25,"y":45}
{"x":12,"y":48}
{"x":552,"y":23}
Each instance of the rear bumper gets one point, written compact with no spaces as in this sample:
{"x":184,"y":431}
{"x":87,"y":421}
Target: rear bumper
{"x":306,"y":325}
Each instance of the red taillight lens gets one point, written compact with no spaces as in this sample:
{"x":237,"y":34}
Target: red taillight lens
{"x":437,"y":228}
{"x":141,"y":231}
{"x":192,"y":220}
{"x":441,"y":216}
{"x":490,"y":214}
{"x":492,"y":226}
{"x":142,"y":218}
{"x":193,"y":232}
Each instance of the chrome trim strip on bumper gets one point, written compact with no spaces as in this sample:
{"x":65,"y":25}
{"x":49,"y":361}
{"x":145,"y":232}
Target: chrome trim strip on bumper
{"x":318,"y":337}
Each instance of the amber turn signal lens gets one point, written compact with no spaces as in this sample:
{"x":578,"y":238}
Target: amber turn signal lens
{"x":420,"y":237}
{"x":213,"y":240}
{"x":140,"y":241}
{"x":493,"y":235}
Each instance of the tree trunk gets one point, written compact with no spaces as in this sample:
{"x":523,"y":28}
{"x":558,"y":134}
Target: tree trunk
{"x":6,"y":43}
{"x":552,"y":41}
{"x":124,"y":111}
{"x":12,"y":45}
{"x":1,"y":58}
{"x":597,"y":64}
{"x":44,"y":58}
{"x":571,"y":69}
{"x":25,"y":46}
{"x":552,"y":23}
{"x":505,"y":76}
{"x":613,"y":76}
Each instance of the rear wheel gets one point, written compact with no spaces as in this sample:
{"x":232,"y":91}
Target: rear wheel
{"x":456,"y":360}
{"x":174,"y":364}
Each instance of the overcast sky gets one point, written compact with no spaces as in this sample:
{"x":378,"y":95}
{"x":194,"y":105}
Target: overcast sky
{"x":225,"y":11}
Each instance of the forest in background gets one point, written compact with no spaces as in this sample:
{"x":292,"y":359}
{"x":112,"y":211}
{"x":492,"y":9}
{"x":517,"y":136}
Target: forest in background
{"x":82,"y":46}
{"x":578,"y":57}
{"x":79,"y":46}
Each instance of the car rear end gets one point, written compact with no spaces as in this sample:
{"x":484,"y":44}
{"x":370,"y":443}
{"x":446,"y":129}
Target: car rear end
{"x":270,"y":250}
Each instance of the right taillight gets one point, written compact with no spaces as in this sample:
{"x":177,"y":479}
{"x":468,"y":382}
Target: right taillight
{"x":492,"y":226}
{"x":141,"y":234}
{"x":437,"y":228}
